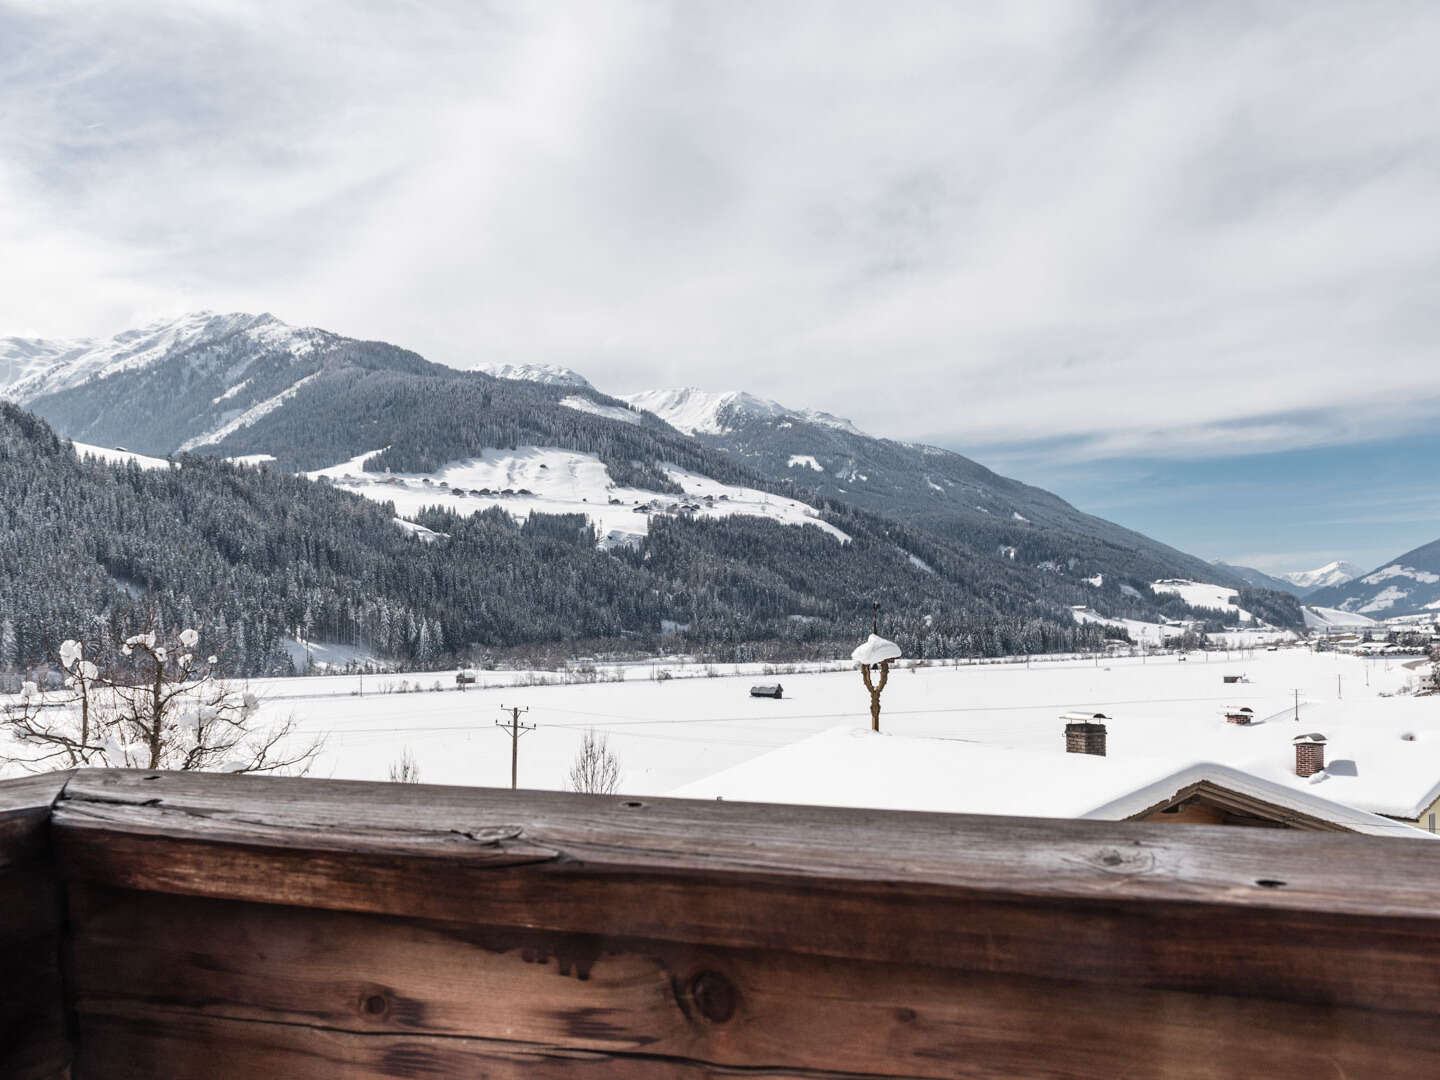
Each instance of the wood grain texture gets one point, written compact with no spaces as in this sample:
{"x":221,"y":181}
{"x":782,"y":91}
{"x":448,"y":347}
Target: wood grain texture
{"x":487,"y":828}
{"x":185,"y":1046}
{"x":25,"y":804}
{"x":246,"y":926}
{"x":1126,"y":905}
{"x":34,"y":1029}
{"x":460,"y":989}
{"x":178,"y":1045}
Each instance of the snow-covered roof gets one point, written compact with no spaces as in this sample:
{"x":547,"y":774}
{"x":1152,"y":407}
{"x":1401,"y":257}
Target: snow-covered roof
{"x":875,"y":649}
{"x":1388,"y":766}
{"x":859,"y":768}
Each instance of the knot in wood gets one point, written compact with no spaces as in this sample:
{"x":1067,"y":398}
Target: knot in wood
{"x":1116,"y":861}
{"x":714,"y":995}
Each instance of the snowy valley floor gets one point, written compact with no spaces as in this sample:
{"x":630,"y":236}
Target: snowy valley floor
{"x":674,"y":732}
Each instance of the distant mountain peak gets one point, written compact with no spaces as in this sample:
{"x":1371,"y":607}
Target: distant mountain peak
{"x":1406,"y":585}
{"x":711,"y":412}
{"x":548,"y":374}
{"x":30,"y":367}
{"x":1332,"y":573}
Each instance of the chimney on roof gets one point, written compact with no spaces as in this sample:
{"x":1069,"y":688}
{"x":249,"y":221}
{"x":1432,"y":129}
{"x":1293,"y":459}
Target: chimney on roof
{"x":1309,"y":754}
{"x":1085,"y":733}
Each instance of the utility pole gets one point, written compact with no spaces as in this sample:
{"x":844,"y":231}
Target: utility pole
{"x":515,"y":730}
{"x":1297,"y":706}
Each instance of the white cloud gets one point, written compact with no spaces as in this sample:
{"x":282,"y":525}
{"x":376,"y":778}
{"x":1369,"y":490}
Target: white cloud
{"x":1176,"y":230}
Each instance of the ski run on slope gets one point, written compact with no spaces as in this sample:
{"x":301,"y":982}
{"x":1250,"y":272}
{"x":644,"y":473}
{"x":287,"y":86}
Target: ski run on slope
{"x":554,"y":481}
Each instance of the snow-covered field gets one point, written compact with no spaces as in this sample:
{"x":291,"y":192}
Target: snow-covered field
{"x":555,"y":481}
{"x":675,"y":732}
{"x":1198,"y":594}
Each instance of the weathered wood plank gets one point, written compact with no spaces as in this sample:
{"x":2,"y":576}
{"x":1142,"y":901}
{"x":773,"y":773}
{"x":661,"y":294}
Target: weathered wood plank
{"x":25,"y":804}
{"x":1018,"y":857}
{"x":187,"y":1046}
{"x":1122,"y":905}
{"x":34,"y":1035}
{"x":508,"y":993}
{"x":30,"y":904}
{"x":182,"y":1045}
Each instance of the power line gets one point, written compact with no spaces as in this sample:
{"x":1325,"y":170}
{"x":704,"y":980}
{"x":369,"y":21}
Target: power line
{"x":620,"y":719}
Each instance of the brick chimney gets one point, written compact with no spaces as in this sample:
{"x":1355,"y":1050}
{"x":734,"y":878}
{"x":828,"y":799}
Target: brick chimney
{"x":1085,"y":733}
{"x":1309,"y":754}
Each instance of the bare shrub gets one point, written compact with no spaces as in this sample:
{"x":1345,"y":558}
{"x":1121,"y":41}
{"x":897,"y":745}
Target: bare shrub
{"x":596,"y":770}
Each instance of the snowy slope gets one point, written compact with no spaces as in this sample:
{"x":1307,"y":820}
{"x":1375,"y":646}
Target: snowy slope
{"x":705,"y":412}
{"x":555,"y":481}
{"x":309,"y":398}
{"x":594,"y":408}
{"x":923,"y":486}
{"x":32,"y":367}
{"x":1333,"y":573}
{"x":1406,"y":585}
{"x":1199,"y":594}
{"x":1323,"y":618}
{"x":117,"y":456}
{"x":546,"y":374}
{"x":1144,"y":633}
{"x":250,"y":416}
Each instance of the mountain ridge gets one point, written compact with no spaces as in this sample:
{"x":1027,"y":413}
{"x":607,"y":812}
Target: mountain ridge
{"x":704,"y":412}
{"x":310,"y":399}
{"x":1332,"y":573}
{"x":1408,"y":584}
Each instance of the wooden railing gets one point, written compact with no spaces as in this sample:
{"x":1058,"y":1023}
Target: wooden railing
{"x":185,"y":926}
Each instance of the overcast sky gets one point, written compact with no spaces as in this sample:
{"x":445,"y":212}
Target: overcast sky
{"x":1095,"y":244}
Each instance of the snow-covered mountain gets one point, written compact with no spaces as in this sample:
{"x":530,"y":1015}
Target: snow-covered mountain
{"x":1407,"y":585}
{"x":182,"y":384}
{"x":706,"y":412}
{"x":545,"y":374}
{"x":1333,"y":573}
{"x":922,"y":485}
{"x":33,"y":367}
{"x":251,"y":387}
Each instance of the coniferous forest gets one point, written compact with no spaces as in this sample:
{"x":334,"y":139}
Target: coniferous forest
{"x":257,"y":555}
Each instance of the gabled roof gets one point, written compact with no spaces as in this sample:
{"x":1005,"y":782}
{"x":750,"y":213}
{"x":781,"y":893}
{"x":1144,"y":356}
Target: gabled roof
{"x":859,"y":768}
{"x":1300,"y":808}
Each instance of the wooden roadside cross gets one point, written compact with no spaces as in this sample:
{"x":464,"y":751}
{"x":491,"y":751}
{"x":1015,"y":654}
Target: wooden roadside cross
{"x":875,"y":654}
